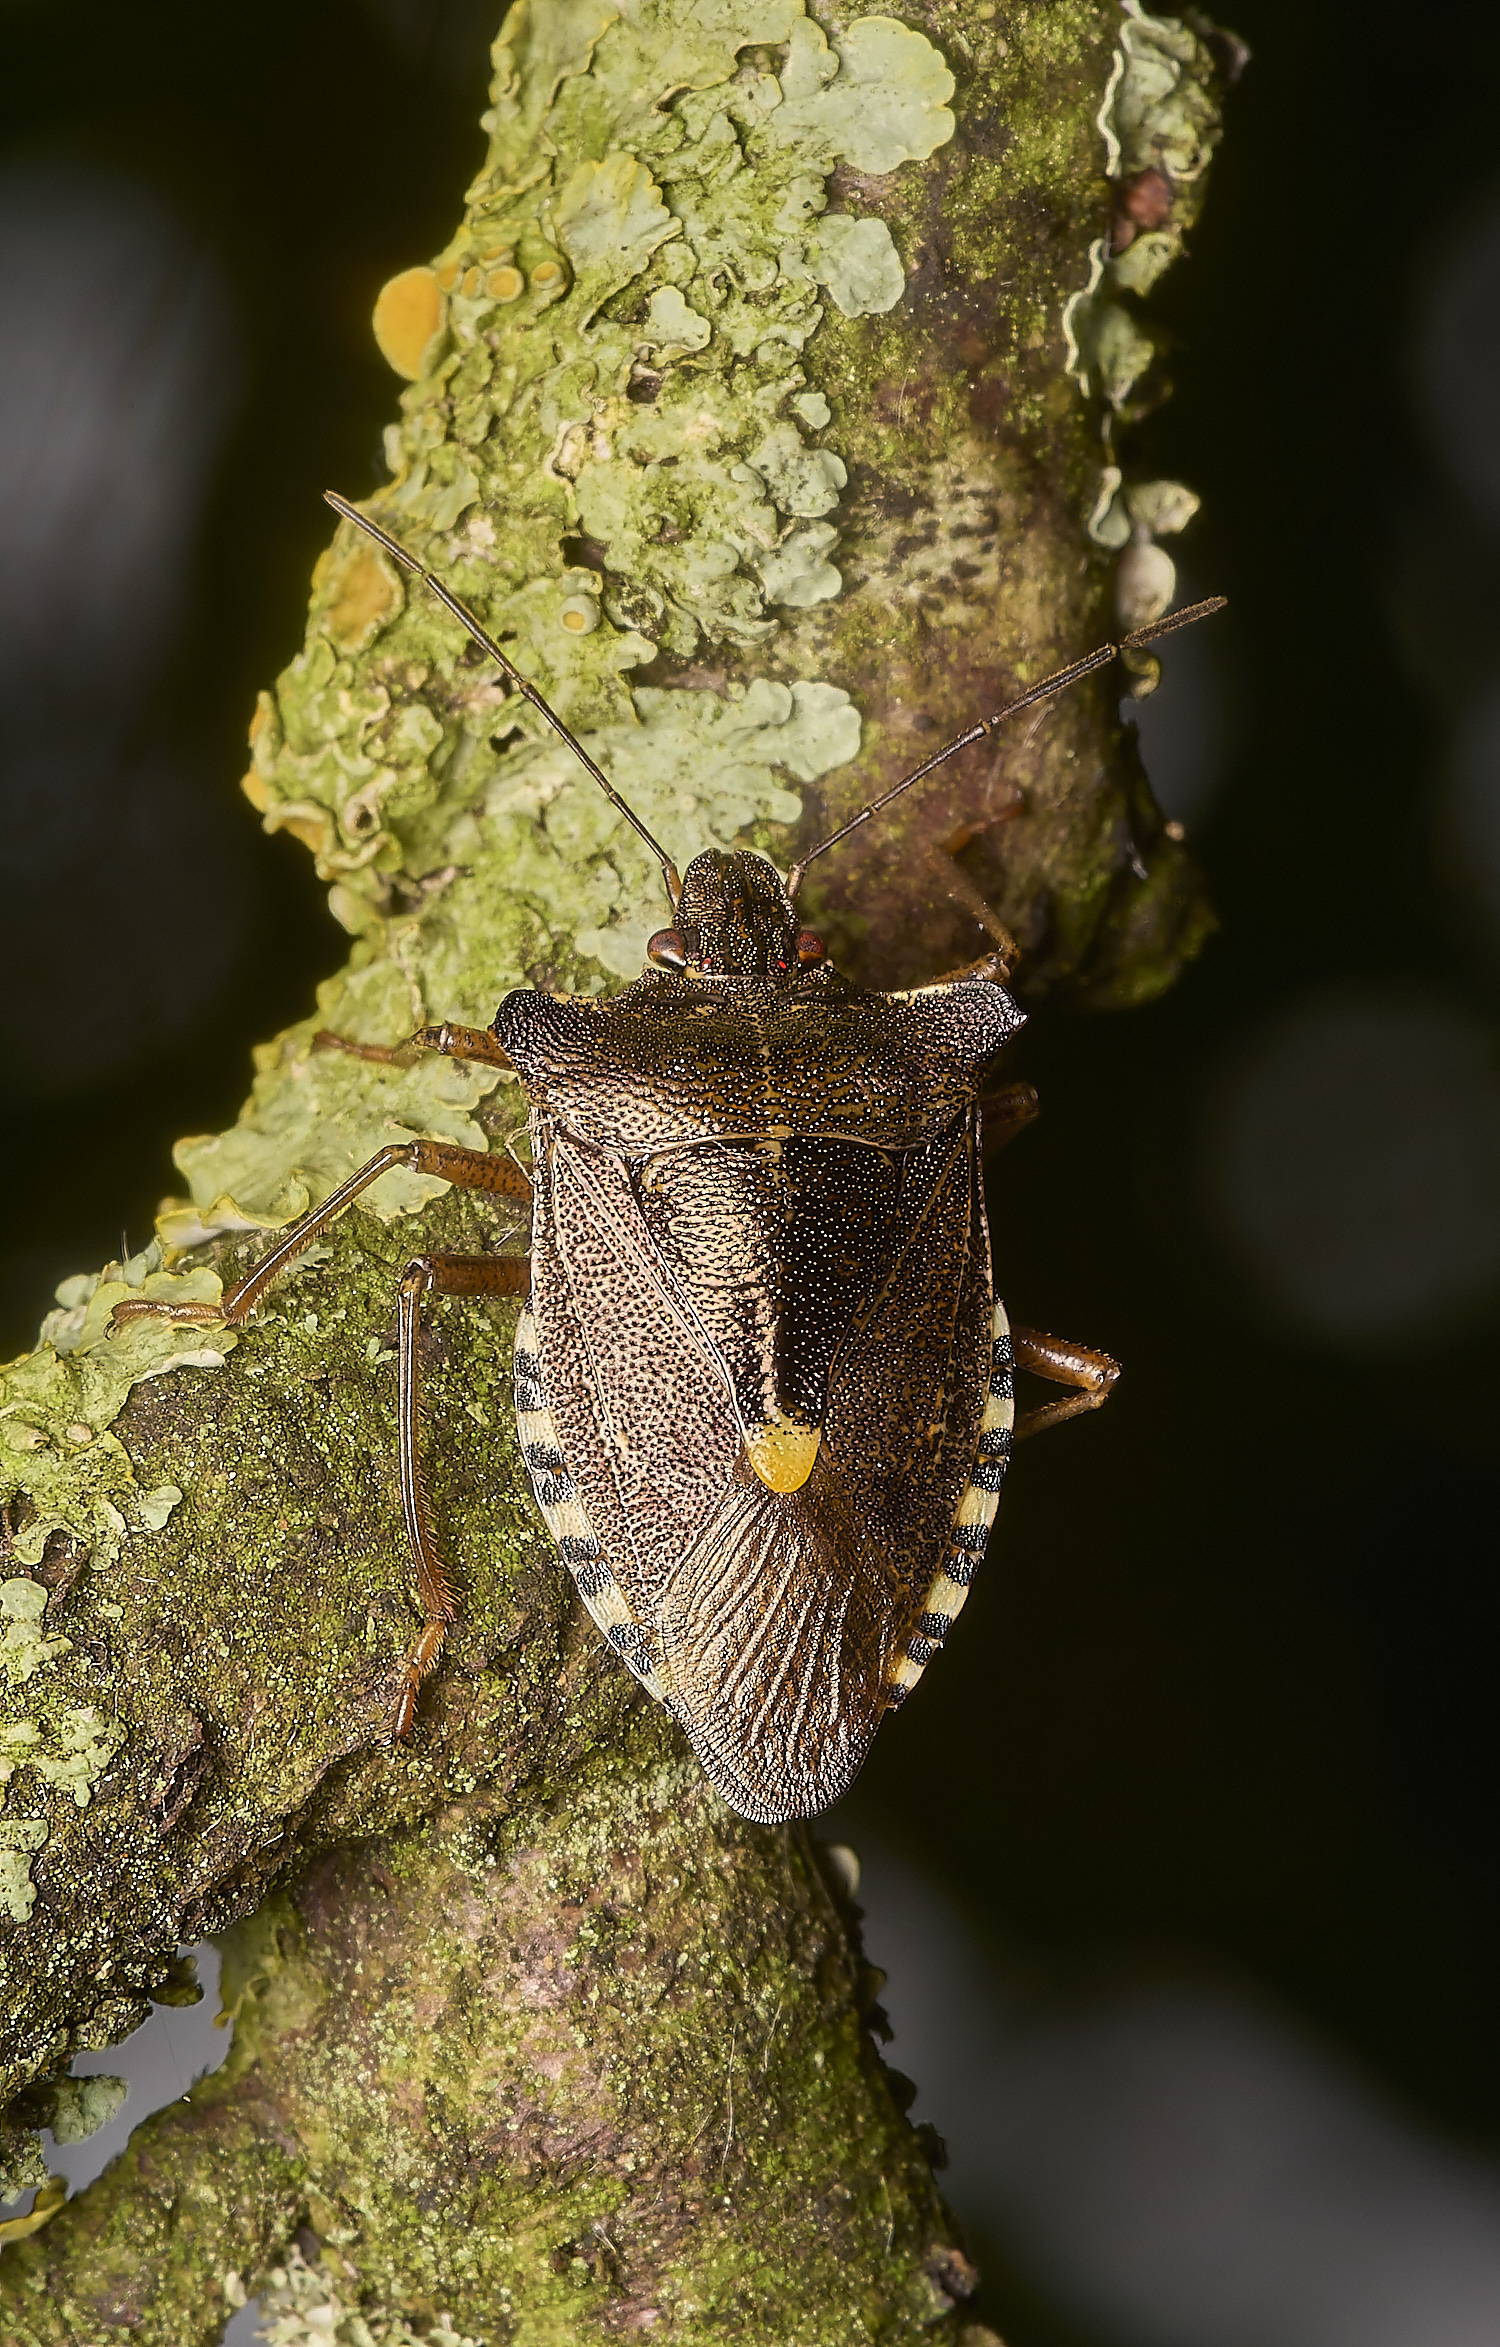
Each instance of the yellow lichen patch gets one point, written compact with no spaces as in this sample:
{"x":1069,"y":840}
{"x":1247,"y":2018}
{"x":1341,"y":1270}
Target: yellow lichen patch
{"x":364,"y":597}
{"x":782,"y":1454}
{"x":408,"y":313}
{"x":506,"y":283}
{"x":305,"y":820}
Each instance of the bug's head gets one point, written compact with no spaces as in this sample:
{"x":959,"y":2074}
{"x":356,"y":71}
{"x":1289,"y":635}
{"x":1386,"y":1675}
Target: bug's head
{"x":734,"y":915}
{"x":734,"y":919}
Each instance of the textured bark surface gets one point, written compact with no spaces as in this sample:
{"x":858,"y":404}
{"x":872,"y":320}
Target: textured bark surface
{"x":614,"y":2055}
{"x":757,"y":402}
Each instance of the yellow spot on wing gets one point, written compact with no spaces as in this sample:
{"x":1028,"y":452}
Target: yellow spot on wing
{"x":782,"y":1453}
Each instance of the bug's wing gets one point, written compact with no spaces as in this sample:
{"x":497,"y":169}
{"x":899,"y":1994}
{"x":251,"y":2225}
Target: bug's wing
{"x":776,"y":1634}
{"x":775,"y":1621}
{"x":638,"y":1394}
{"x":785,"y":1626}
{"x":910,"y":1381}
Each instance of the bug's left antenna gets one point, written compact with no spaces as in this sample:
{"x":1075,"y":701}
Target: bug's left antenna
{"x":986,"y":725}
{"x":461,"y":612}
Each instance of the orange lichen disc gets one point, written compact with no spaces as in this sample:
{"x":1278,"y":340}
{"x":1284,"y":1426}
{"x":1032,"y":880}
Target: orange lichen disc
{"x":408,"y":313}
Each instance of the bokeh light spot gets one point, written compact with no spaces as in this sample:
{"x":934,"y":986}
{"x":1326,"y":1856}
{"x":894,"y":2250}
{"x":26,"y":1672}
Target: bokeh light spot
{"x":1355,"y":1159}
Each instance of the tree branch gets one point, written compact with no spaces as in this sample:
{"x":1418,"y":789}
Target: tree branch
{"x":741,"y":406}
{"x":610,"y":2054}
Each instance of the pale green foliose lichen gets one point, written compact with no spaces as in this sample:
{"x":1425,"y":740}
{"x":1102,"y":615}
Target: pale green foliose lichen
{"x":78,"y":2107}
{"x":1160,"y":112}
{"x":304,"y":2306}
{"x":20,"y":1840}
{"x":68,"y":1746}
{"x":1159,"y":507}
{"x":1159,"y":107}
{"x":24,"y":1646}
{"x":57,"y":1404}
{"x":1129,"y":520}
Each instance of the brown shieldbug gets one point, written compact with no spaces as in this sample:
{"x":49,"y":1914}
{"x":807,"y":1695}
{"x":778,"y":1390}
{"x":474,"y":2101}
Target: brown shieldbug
{"x":763,"y":1386}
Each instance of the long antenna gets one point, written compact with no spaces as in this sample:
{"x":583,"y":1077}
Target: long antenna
{"x":987,"y":725}
{"x":461,"y":612}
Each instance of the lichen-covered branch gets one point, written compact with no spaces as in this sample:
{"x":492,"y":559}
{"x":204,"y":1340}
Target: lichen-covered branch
{"x":606,"y":2061}
{"x":764,"y":403}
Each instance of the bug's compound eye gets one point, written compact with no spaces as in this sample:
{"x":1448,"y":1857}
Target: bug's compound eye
{"x":667,"y":950}
{"x":810,"y":947}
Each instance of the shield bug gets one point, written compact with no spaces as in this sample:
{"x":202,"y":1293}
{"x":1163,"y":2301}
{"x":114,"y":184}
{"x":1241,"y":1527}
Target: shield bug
{"x":763,"y":1387}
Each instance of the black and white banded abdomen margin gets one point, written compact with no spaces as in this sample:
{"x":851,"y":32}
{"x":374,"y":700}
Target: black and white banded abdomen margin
{"x":971,"y":1522}
{"x":556,"y":1495}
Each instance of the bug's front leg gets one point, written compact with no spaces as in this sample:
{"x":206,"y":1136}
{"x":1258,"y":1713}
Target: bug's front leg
{"x":995,"y":967}
{"x":454,"y":1042}
{"x":1002,"y":959}
{"x":433,"y":1275}
{"x":470,"y":1169}
{"x":1092,"y":1374}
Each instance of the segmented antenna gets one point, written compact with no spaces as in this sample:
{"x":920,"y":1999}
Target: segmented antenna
{"x":987,"y":725}
{"x":507,"y":667}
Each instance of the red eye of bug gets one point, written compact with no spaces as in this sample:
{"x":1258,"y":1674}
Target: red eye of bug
{"x":810,"y":946}
{"x":667,"y":950}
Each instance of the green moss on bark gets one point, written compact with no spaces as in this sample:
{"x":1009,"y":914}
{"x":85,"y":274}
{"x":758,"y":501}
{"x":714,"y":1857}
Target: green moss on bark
{"x":602,"y":2068}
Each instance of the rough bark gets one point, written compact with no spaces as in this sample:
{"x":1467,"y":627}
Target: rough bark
{"x":757,"y":402}
{"x":614,"y":2054}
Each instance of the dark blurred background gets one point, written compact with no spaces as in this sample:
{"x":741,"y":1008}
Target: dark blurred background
{"x":1186,"y":1875}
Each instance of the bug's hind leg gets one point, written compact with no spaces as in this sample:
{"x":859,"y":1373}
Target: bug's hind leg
{"x":1092,"y":1375}
{"x":433,"y":1275}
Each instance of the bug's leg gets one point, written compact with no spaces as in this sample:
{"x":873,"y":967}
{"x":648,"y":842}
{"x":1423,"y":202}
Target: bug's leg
{"x":471,"y":1169}
{"x":469,"y":1043}
{"x":433,"y":1275}
{"x":1092,"y":1375}
{"x":1004,"y":955}
{"x":1006,"y":1113}
{"x":995,"y":966}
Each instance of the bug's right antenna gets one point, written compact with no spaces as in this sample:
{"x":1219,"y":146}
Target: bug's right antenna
{"x":460,"y":611}
{"x":976,"y":733}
